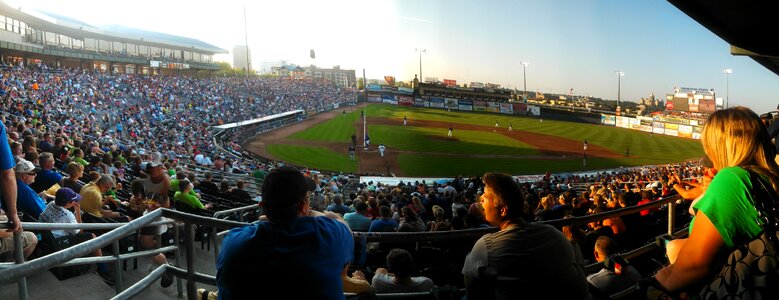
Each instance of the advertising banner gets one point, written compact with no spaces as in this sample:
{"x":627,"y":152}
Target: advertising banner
{"x":694,"y":107}
{"x":450,"y":82}
{"x":634,"y":123}
{"x":696,"y":136}
{"x":671,"y":126}
{"x":479,"y":105}
{"x":388,"y":88}
{"x":406,"y":100}
{"x":493,"y":106}
{"x":506,"y":108}
{"x":520,"y":108}
{"x":373,"y":87}
{"x":451,"y":103}
{"x":405,"y":90}
{"x":418,"y":102}
{"x":608,"y":119}
{"x":436,"y":102}
{"x":533,"y":110}
{"x":658,"y":127}
{"x":646,"y":128}
{"x":685,"y":129}
{"x":672,"y":132}
{"x":376,"y":98}
{"x":389,"y":99}
{"x":622,"y":122}
{"x":465,"y":105}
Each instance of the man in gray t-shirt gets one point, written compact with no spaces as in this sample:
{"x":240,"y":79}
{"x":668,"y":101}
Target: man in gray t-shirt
{"x":522,"y":260}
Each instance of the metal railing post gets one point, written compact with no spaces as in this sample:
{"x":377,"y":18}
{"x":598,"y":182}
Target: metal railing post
{"x":671,"y":217}
{"x":188,"y":238}
{"x":216,"y":247}
{"x":19,"y":259}
{"x":179,"y":287}
{"x":117,"y":268}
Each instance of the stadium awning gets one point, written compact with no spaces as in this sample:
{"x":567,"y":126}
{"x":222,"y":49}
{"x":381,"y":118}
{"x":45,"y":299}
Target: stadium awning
{"x":748,"y":26}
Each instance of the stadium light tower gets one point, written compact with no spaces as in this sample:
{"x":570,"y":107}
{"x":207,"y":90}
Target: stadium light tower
{"x":727,"y":73}
{"x":420,"y":50}
{"x":524,"y":78}
{"x":619,"y":86}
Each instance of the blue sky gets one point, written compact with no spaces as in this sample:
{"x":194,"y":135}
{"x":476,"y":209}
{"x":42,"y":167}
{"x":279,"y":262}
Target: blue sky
{"x":568,"y":44}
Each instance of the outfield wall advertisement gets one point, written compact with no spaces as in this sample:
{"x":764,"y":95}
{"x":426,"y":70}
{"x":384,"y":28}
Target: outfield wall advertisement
{"x":520,"y":108}
{"x":389,"y":99}
{"x":436,"y":102}
{"x":376,"y":98}
{"x":672,"y":126}
{"x":533,"y":110}
{"x":465,"y":105}
{"x":608,"y":120}
{"x":451,"y":103}
{"x":622,"y":122}
{"x":418,"y":102}
{"x":493,"y":106}
{"x":479,"y":105}
{"x":406,"y":101}
{"x":506,"y":108}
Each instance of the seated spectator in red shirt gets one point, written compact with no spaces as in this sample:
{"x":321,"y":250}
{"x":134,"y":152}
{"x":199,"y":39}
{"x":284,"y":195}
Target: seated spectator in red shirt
{"x":646,"y":197}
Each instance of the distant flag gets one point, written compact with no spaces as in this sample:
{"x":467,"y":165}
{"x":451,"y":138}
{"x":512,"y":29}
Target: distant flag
{"x":570,"y":92}
{"x":313,"y":54}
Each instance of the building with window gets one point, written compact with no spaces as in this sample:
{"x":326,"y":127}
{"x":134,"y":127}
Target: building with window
{"x":242,"y":58}
{"x":31,"y":37}
{"x":341,"y":77}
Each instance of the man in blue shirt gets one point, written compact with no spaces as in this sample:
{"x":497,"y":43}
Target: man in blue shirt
{"x":291,"y":246}
{"x":28,"y":200}
{"x":8,"y":182}
{"x":46,"y":176}
{"x":358,"y":221}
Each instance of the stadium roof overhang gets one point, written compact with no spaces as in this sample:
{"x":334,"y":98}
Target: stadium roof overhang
{"x":58,"y":24}
{"x":748,"y":26}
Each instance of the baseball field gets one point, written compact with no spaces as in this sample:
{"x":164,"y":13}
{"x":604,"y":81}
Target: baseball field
{"x":423,"y":147}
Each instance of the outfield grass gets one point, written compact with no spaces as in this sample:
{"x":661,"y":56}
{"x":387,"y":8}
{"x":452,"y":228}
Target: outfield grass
{"x":338,"y":129}
{"x":313,"y":157}
{"x":435,"y":140}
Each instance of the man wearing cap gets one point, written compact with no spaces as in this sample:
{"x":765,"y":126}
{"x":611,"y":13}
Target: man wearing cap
{"x":27,"y":200}
{"x":291,"y":244}
{"x":58,"y":211}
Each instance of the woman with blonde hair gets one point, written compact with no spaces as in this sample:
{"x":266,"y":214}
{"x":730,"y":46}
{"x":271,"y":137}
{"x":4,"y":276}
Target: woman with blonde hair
{"x":735,"y":211}
{"x":440,"y":223}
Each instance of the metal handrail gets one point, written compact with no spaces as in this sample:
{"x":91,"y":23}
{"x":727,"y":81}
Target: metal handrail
{"x":77,"y":251}
{"x":640,"y":251}
{"x":225,"y":212}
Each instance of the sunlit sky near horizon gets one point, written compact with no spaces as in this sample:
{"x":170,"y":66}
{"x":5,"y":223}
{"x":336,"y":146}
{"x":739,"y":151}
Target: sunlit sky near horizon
{"x":569,"y":44}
